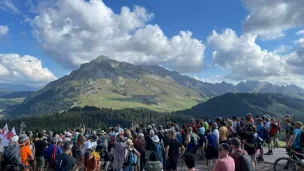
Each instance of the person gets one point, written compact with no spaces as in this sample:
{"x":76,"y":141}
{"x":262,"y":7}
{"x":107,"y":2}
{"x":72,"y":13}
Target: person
{"x":273,"y":136}
{"x":223,"y":133}
{"x":261,"y":132}
{"x":119,"y":154}
{"x":295,"y":139}
{"x":11,"y":155}
{"x":91,"y":163}
{"x":131,"y":156}
{"x":52,"y":151}
{"x":235,"y":145}
{"x":211,"y":148}
{"x":153,"y":164}
{"x":225,"y":162}
{"x":112,"y":139}
{"x":191,"y":141}
{"x":158,"y":149}
{"x":216,"y":131}
{"x":268,"y":138}
{"x":80,"y":151}
{"x":139,"y":144}
{"x":250,"y":144}
{"x":65,"y":161}
{"x":91,"y":143}
{"x":172,"y":151}
{"x":25,"y":151}
{"x":201,"y":133}
{"x":40,"y":146}
{"x":288,"y":130}
{"x":190,"y":162}
{"x":249,"y":116}
{"x":103,"y":142}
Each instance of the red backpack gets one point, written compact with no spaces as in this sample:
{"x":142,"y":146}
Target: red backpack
{"x":274,"y":130}
{"x":53,"y":158}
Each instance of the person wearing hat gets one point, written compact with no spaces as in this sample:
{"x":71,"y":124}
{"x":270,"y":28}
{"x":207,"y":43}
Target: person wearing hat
{"x":249,"y":144}
{"x":236,"y":149}
{"x":225,"y":162}
{"x":11,"y":155}
{"x":129,"y":148}
{"x":158,"y":149}
{"x":91,"y":143}
{"x":25,"y":150}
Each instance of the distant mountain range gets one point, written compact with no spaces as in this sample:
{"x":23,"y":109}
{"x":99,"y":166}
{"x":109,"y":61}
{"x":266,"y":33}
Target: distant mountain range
{"x":107,"y":83}
{"x":16,"y":87}
{"x":238,"y":104}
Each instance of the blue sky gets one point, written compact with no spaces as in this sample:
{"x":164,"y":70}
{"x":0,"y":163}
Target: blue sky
{"x":213,"y":41}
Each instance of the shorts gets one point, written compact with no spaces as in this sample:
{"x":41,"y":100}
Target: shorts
{"x":171,"y":164}
{"x":39,"y":162}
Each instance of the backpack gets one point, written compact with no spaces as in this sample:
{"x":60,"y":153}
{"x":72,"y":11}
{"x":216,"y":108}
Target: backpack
{"x":279,"y":126}
{"x":193,"y":139}
{"x":263,"y":133}
{"x":53,"y":157}
{"x":12,"y":157}
{"x":273,"y":130}
{"x":246,"y":162}
{"x":159,"y":151}
{"x":131,"y":159}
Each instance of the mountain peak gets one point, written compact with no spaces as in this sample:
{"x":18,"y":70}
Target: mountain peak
{"x":101,"y":58}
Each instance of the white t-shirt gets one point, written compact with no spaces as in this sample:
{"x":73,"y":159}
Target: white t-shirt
{"x":90,"y":145}
{"x":234,"y":126}
{"x":267,"y":125}
{"x":217,"y":134}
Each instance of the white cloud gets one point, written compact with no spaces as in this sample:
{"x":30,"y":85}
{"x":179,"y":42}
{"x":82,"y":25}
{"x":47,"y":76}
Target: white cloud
{"x":246,"y":60}
{"x":23,"y":70}
{"x":270,"y":18}
{"x":73,"y":32}
{"x":3,"y":30}
{"x":8,"y":5}
{"x":300,"y":32}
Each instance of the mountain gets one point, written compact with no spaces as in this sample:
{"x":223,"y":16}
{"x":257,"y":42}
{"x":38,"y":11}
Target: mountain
{"x":239,"y":104}
{"x":10,"y":98}
{"x":16,"y":87}
{"x":109,"y":84}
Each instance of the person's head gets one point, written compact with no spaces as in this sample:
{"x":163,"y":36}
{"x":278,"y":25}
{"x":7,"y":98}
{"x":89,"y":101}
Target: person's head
{"x":238,"y":120}
{"x":81,"y":140}
{"x":235,"y":143}
{"x":259,"y":120}
{"x":287,"y":120}
{"x":40,"y":135}
{"x":272,"y":120}
{"x":234,"y":118}
{"x":298,"y":125}
{"x":229,"y":123}
{"x":23,"y":138}
{"x":190,"y":160}
{"x":129,"y":144}
{"x":88,"y":154}
{"x":172,"y":133}
{"x":214,"y":125}
{"x":55,"y":140}
{"x":223,"y":123}
{"x":14,"y":139}
{"x":153,"y":157}
{"x":249,"y":131}
{"x":67,"y":147}
{"x":224,"y":150}
{"x":190,"y":130}
{"x":249,"y":115}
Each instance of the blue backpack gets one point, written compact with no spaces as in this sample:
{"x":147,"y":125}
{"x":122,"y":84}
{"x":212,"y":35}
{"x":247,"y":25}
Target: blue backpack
{"x":180,"y":137}
{"x":159,"y":152}
{"x":132,"y":158}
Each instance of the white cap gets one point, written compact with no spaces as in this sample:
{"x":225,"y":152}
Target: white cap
{"x":15,"y":138}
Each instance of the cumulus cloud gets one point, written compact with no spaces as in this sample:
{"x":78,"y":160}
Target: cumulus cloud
{"x":73,"y":32}
{"x":23,"y":70}
{"x":245,"y":58}
{"x":270,"y":18}
{"x":8,"y":5}
{"x":3,"y":30}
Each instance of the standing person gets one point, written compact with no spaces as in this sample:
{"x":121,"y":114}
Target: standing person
{"x":119,"y":154}
{"x":268,"y":138}
{"x":190,"y":162}
{"x":223,"y":133}
{"x":273,"y":136}
{"x":91,"y":143}
{"x":153,"y":164}
{"x":103,"y":142}
{"x":262,"y":133}
{"x":295,"y":139}
{"x":131,"y":156}
{"x":158,"y":149}
{"x":215,"y":131}
{"x":112,"y":139}
{"x":235,"y":145}
{"x":288,"y":130}
{"x":225,"y":162}
{"x":211,"y":148}
{"x":11,"y":156}
{"x":172,"y":151}
{"x":40,"y":146}
{"x":65,"y":161}
{"x":25,"y":151}
{"x":249,"y":116}
{"x":80,"y":151}
{"x":201,"y":133}
{"x":91,"y":163}
{"x":51,"y":152}
{"x":139,"y":144}
{"x":191,"y":141}
{"x":250,"y":144}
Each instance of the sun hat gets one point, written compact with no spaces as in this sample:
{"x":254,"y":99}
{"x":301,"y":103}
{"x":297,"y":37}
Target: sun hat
{"x":155,"y":139}
{"x":15,"y":138}
{"x":102,"y":132}
{"x":23,"y":138}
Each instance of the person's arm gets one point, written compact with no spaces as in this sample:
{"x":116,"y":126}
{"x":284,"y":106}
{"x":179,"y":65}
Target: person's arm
{"x":187,"y":139}
{"x":292,"y":139}
{"x":30,"y":154}
{"x":167,"y":151}
{"x":250,"y":142}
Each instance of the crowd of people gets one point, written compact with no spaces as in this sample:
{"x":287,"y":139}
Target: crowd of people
{"x":226,"y":145}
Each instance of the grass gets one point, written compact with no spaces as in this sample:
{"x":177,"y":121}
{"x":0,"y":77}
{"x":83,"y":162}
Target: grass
{"x":4,"y":103}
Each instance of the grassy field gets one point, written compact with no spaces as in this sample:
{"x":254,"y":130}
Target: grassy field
{"x":9,"y":102}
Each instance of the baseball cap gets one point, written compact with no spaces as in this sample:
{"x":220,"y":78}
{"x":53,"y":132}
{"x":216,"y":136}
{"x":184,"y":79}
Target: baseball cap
{"x":235,"y":141}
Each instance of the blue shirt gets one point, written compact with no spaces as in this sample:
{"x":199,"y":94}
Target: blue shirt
{"x":212,"y":140}
{"x":297,"y":141}
{"x":49,"y":151}
{"x":260,"y":131}
{"x":202,"y":131}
